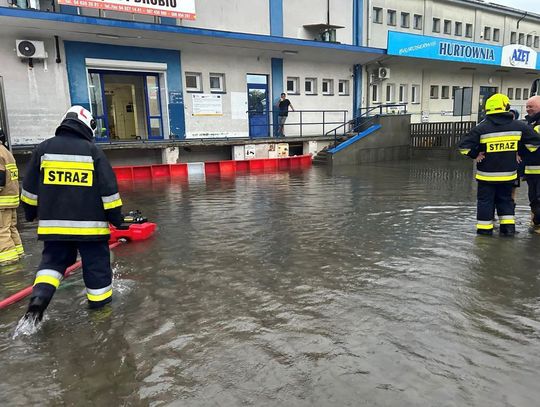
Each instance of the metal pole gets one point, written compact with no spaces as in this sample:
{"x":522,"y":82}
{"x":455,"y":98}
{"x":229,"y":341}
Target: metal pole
{"x":301,"y":123}
{"x":323,"y":122}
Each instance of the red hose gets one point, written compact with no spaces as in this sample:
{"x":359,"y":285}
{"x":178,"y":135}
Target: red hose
{"x":25,"y":292}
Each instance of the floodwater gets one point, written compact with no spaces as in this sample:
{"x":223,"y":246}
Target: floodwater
{"x":365,"y":286}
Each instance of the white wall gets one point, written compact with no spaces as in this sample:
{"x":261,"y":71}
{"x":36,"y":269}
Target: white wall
{"x":36,"y":98}
{"x":235,"y":69}
{"x":296,"y":15}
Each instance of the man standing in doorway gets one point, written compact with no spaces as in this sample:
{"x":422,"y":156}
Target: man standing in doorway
{"x":532,"y":163}
{"x":283,"y":105}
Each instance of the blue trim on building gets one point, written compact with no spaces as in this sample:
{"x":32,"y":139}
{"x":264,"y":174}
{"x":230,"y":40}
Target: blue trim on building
{"x":132,"y":25}
{"x":68,"y":9}
{"x":358,"y":22}
{"x":276,"y":18}
{"x":354,"y":139}
{"x":277,"y":89}
{"x":357,"y":89}
{"x":76,"y":52}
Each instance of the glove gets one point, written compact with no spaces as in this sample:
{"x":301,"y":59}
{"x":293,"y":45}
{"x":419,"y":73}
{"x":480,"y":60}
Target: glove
{"x":115,"y":217}
{"x":30,"y":212}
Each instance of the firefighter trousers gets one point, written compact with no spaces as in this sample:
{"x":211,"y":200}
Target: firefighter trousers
{"x":491,"y":196}
{"x":10,"y":242}
{"x":533,"y":181}
{"x":59,"y":255}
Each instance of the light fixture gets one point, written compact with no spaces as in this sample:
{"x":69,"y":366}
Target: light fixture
{"x":109,"y":36}
{"x":289,"y":52}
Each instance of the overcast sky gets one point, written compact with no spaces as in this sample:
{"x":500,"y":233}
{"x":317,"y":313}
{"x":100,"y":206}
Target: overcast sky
{"x":527,"y":5}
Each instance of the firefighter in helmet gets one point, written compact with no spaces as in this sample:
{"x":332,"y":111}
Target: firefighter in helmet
{"x":71,"y":188}
{"x":494,"y":144}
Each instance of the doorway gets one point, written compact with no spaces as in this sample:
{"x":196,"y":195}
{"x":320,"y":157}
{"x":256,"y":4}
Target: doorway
{"x":126,"y":105}
{"x":258,"y":112}
{"x":485,"y":93}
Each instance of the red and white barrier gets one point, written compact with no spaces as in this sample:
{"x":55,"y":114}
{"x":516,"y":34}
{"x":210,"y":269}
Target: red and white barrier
{"x":229,"y":167}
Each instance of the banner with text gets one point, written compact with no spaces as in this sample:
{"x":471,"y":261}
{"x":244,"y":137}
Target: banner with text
{"x":184,"y":9}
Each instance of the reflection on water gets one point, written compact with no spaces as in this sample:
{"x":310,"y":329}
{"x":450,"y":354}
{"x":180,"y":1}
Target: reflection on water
{"x":366,"y":286}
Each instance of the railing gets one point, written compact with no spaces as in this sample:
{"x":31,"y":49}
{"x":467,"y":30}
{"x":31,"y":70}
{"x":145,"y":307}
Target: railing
{"x":299,"y":123}
{"x":365,"y":118}
{"x":439,"y":135}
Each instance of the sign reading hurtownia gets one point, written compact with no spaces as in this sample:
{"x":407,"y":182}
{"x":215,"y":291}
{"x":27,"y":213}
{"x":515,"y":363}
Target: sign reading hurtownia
{"x":184,"y":9}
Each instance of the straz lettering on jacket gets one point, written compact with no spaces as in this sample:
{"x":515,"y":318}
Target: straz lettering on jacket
{"x":501,"y":142}
{"x":70,"y":170}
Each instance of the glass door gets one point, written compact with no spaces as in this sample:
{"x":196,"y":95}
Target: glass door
{"x":258,"y":114}
{"x":126,"y":105}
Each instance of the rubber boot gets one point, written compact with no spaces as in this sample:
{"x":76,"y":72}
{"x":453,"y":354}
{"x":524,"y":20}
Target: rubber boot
{"x":484,"y":232}
{"x":36,"y":308}
{"x":507,"y":230}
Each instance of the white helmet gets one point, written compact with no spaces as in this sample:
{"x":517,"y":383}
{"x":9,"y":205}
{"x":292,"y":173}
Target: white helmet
{"x":81,"y":114}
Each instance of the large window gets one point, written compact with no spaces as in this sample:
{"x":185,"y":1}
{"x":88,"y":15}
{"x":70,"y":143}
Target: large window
{"x":417,"y":22}
{"x":377,"y":15}
{"x":405,"y":20}
{"x":391,"y":17}
{"x":375,"y":94}
{"x":458,"y":29}
{"x":468,"y":30}
{"x":390,"y":92}
{"x":434,"y":92}
{"x":447,"y":27}
{"x":403,"y":93}
{"x":415,"y":93}
{"x":126,"y":105}
{"x":436,"y":25}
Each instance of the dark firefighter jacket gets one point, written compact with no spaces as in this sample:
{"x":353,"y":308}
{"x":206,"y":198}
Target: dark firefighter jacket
{"x":71,"y":187}
{"x":499,"y":136}
{"x":532,"y":159}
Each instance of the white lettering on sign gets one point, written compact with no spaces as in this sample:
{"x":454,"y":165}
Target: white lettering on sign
{"x":184,"y":9}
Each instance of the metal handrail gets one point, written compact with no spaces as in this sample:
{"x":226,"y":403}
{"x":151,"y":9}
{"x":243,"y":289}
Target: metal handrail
{"x":273,"y":114}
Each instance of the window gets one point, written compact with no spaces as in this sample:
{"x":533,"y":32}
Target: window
{"x":327,"y":86}
{"x":390,"y":92}
{"x":377,"y":15}
{"x":445,"y":92}
{"x":448,"y":27}
{"x":529,"y":40}
{"x":513,"y":37}
{"x":292,"y":85}
{"x":454,"y":89}
{"x":403,"y":93}
{"x":525,"y":93}
{"x":391,"y":17}
{"x":487,"y":33}
{"x":415,"y":93}
{"x":436,"y":25}
{"x":375,"y":93}
{"x":405,"y":20}
{"x":518,"y":93}
{"x":510,"y":93}
{"x":434,"y":92}
{"x":343,"y":87}
{"x":194,"y":82}
{"x":417,"y":21}
{"x":496,"y":35}
{"x":217,"y":82}
{"x":310,"y":86}
{"x":536,"y":41}
{"x":521,"y":39}
{"x":468,"y":30}
{"x":458,"y":29}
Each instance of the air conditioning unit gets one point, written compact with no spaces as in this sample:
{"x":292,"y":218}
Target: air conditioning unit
{"x":31,"y":49}
{"x":383,"y":73}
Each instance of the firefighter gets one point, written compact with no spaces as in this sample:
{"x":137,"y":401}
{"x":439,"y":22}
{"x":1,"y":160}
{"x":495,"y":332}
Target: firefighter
{"x":11,"y":247}
{"x":71,"y":187}
{"x":494,"y":144}
{"x":532,"y":163}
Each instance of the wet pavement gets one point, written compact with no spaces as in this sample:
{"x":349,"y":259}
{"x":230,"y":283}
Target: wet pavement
{"x":365,"y":286}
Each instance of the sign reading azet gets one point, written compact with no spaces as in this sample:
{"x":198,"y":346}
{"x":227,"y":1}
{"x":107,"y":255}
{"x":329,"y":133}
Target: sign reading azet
{"x":519,"y":56}
{"x":184,"y":9}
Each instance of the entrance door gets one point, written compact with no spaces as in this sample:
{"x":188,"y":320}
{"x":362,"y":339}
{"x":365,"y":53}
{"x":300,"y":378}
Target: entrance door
{"x":485,"y":93}
{"x":126,"y":105}
{"x":259,"y":118}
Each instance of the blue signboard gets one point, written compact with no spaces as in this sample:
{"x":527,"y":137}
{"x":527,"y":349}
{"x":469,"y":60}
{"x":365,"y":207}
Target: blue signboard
{"x":421,"y":46}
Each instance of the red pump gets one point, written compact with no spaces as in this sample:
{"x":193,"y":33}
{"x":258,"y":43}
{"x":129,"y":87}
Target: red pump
{"x":135,"y":227}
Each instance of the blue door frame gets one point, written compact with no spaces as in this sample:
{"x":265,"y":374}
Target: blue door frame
{"x":105,"y":137}
{"x":259,"y":117}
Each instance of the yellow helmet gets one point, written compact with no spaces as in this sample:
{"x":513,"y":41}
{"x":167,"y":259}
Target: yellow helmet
{"x":498,"y":103}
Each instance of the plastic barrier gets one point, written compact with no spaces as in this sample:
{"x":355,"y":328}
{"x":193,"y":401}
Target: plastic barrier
{"x":227,"y":167}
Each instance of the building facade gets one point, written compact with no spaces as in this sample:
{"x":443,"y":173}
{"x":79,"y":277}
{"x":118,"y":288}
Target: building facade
{"x":159,"y":75}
